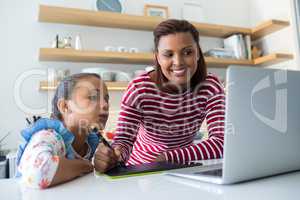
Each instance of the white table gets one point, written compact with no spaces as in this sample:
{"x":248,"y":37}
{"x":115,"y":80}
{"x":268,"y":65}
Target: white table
{"x":157,"y":186}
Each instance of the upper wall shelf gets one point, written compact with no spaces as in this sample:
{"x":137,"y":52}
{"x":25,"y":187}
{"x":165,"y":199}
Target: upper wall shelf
{"x":71,"y":55}
{"x":75,"y":16}
{"x":267,"y":28}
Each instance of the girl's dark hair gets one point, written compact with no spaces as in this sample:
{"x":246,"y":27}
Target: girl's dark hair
{"x":65,"y":89}
{"x":172,"y":26}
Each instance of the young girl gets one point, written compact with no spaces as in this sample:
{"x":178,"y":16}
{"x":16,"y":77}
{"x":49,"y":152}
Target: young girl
{"x":60,"y":149}
{"x":162,"y":110}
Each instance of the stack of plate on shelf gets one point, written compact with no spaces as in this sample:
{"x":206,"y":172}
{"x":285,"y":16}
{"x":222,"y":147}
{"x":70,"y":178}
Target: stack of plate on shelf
{"x":220,"y":53}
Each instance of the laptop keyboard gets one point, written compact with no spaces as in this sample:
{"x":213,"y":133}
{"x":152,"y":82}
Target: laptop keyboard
{"x":214,"y":172}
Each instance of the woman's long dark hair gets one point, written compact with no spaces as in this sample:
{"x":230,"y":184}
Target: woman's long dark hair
{"x":172,"y":26}
{"x":65,"y":89}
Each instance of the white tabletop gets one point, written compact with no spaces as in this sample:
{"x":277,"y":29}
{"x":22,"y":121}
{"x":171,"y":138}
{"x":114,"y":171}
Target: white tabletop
{"x":157,"y":186}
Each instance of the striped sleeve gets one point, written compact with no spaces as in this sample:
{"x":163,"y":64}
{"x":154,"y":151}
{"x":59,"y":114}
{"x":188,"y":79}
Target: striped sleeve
{"x":128,"y":122}
{"x":211,"y":148}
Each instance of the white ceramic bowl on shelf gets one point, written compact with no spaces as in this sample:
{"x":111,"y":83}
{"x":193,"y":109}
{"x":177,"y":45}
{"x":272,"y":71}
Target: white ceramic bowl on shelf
{"x":106,"y":75}
{"x":123,"y":76}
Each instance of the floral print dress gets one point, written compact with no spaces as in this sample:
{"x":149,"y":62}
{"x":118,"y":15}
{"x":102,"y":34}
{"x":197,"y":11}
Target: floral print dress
{"x":45,"y":142}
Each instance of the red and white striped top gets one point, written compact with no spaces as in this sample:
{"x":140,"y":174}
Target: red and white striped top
{"x":152,"y":122}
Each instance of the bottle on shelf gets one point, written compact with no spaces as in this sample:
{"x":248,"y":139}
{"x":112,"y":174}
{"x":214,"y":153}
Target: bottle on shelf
{"x":78,"y":44}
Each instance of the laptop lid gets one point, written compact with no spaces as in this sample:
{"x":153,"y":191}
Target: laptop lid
{"x":262,"y":133}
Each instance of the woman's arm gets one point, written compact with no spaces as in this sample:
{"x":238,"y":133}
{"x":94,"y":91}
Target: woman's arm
{"x":211,"y":148}
{"x":128,"y":122}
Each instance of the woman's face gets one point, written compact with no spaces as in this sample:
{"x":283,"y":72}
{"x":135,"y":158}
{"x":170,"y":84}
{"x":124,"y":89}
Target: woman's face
{"x":89,"y":104}
{"x":178,"y":55}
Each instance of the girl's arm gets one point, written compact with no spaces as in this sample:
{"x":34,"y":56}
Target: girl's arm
{"x":69,"y":169}
{"x":43,"y":163}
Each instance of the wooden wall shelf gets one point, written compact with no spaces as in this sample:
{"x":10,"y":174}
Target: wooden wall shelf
{"x":267,"y":28}
{"x":273,"y":59}
{"x":75,"y":16}
{"x":111,"y":86}
{"x":71,"y":55}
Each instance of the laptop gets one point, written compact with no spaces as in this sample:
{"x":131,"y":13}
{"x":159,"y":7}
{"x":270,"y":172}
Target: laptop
{"x":262,"y":127}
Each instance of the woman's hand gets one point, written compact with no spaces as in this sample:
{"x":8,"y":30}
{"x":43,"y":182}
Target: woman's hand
{"x":106,"y":158}
{"x":161,"y":158}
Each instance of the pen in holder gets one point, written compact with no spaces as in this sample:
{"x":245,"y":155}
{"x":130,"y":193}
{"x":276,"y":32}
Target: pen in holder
{"x":34,"y":119}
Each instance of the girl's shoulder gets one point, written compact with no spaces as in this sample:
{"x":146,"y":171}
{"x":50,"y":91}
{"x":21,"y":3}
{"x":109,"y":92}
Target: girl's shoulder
{"x":47,"y":136}
{"x":47,"y":128}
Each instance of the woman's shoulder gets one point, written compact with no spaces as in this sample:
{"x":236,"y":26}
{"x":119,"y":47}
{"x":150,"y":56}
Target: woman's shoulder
{"x":142,"y":81}
{"x":139,"y":88}
{"x":212,"y":83}
{"x":213,"y":78}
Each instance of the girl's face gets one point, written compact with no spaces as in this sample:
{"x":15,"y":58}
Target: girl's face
{"x":88,"y":105}
{"x":178,"y":55}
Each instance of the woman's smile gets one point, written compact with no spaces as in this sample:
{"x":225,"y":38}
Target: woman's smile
{"x":179,"y":72}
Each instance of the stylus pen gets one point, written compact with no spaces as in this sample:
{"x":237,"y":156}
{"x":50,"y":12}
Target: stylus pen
{"x":103,"y":140}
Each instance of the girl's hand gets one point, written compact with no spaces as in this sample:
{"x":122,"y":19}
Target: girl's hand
{"x":106,"y":158}
{"x":69,"y":169}
{"x":86,"y":166}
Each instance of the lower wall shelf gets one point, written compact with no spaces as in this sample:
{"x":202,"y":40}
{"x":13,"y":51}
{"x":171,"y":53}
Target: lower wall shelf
{"x":72,"y":55}
{"x":111,"y":86}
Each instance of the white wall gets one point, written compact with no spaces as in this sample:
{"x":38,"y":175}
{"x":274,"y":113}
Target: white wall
{"x":22,"y":36}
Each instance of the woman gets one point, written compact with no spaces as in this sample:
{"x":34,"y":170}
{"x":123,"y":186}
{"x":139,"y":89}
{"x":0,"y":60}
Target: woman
{"x":162,"y":110}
